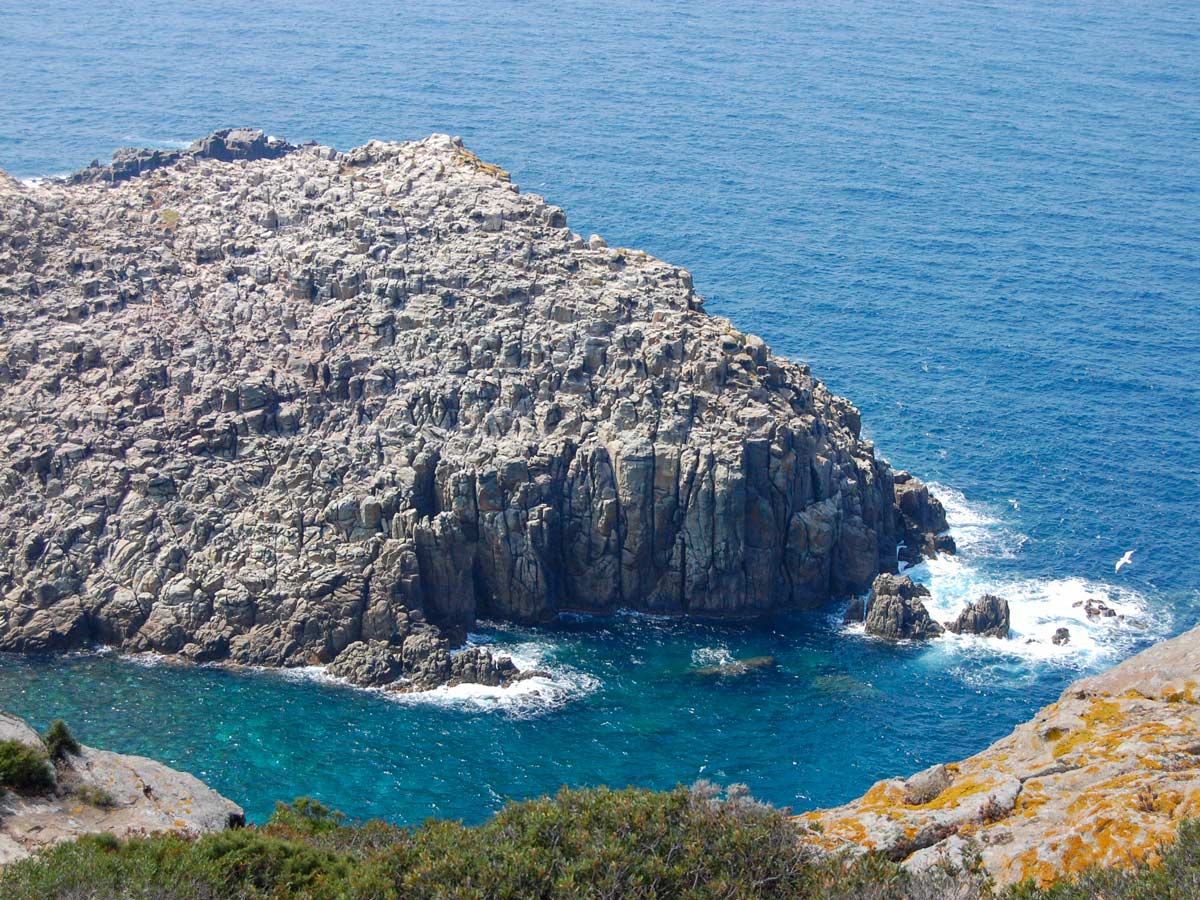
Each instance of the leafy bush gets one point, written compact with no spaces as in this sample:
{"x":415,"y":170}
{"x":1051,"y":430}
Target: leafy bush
{"x":96,"y":796}
{"x":59,"y":740}
{"x":694,"y":844}
{"x":24,"y":768}
{"x":699,"y":843}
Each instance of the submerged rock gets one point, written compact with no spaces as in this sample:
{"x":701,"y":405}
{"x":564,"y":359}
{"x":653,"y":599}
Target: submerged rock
{"x":1103,"y":777}
{"x":895,"y":610}
{"x":987,"y":616}
{"x":737,"y":667}
{"x":97,"y":791}
{"x":263,"y":403}
{"x":1098,"y":609}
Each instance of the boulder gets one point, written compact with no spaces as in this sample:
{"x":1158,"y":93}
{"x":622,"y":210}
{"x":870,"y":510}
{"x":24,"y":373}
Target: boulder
{"x":895,"y":610}
{"x":988,"y":616}
{"x":1061,"y":636}
{"x":368,"y":663}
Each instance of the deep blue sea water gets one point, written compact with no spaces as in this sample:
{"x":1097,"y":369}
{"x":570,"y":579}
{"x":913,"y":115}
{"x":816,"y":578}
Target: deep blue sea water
{"x":980,"y":221}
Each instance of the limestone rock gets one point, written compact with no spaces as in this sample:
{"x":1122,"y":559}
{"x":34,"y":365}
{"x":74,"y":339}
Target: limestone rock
{"x":1102,"y":777}
{"x":895,"y":610}
{"x":987,"y":616}
{"x":98,"y":791}
{"x":262,"y":403}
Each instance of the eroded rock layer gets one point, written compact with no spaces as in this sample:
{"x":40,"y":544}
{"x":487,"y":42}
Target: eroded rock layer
{"x":1102,"y":777}
{"x":261,"y":409}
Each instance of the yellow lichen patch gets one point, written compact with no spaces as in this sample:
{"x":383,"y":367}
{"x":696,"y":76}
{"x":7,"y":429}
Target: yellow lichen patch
{"x":957,"y":792}
{"x":1186,"y":695}
{"x":1053,"y":734}
{"x":1103,"y":712}
{"x":1110,"y":839}
{"x":841,"y":831}
{"x":1029,"y":801}
{"x":464,"y":157}
{"x":883,"y":797}
{"x":1073,"y":741}
{"x":1029,"y":865}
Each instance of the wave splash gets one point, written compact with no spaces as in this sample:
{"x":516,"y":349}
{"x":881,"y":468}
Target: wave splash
{"x":1039,"y":606}
{"x":553,"y":686}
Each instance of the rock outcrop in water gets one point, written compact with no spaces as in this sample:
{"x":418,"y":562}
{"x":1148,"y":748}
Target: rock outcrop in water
{"x":1102,"y":777}
{"x":895,"y":610}
{"x":988,"y":616}
{"x":264,"y":404}
{"x":98,"y":791}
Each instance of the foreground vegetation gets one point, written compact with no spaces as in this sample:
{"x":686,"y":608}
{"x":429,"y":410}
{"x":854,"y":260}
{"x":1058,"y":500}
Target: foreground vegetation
{"x":686,"y":843}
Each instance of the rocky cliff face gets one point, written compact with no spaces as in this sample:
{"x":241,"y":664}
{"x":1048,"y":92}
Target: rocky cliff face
{"x":261,"y":403}
{"x":98,"y":791}
{"x":1102,"y":777}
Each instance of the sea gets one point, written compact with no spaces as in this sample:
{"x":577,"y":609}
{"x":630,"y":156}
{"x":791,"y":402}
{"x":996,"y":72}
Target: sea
{"x":980,"y":221}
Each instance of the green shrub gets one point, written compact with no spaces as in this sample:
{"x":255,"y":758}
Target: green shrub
{"x":96,"y":796}
{"x":24,"y":768}
{"x":698,"y":844}
{"x":59,"y":740}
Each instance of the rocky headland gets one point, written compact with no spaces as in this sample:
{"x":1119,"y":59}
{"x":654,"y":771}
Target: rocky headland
{"x":279,"y":405}
{"x":92,"y":791}
{"x":1102,"y":777}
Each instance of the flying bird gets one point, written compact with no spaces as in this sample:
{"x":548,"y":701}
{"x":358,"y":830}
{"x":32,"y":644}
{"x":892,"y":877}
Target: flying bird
{"x":1124,"y":561}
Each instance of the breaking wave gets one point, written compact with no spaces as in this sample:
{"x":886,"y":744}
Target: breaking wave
{"x":1038,"y":606}
{"x":554,"y":686}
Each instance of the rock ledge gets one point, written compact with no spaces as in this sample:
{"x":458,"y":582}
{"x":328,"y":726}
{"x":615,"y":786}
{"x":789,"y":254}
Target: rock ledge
{"x":1102,"y":777}
{"x":98,"y":791}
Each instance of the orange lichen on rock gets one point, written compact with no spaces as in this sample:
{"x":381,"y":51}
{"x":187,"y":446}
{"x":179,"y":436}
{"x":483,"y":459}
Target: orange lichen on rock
{"x":1104,"y":776}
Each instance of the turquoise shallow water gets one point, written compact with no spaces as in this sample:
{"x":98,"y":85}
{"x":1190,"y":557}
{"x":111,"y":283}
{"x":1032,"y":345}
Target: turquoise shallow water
{"x":979,"y":221}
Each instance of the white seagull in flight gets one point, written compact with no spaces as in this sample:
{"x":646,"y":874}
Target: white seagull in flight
{"x":1124,"y":561}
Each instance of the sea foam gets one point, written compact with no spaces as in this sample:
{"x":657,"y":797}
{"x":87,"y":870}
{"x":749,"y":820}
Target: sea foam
{"x":528,"y":697}
{"x":1038,"y":606}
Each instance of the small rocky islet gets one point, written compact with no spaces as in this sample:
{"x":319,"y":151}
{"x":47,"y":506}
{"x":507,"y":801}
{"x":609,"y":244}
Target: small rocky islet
{"x":284,"y":406}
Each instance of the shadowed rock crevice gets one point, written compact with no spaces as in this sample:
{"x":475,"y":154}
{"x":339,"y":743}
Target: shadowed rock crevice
{"x":263,"y":403}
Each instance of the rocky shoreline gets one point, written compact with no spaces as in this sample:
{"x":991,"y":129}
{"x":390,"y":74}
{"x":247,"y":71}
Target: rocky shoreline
{"x":93,"y":791}
{"x":1103,"y":777}
{"x":286,"y":406}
